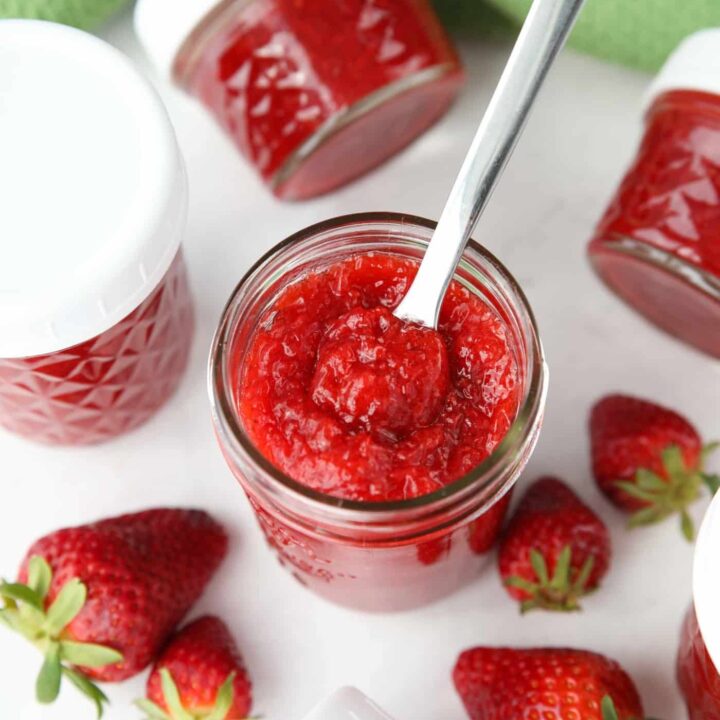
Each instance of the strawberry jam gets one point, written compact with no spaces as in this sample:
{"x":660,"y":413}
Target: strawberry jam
{"x":658,"y":244}
{"x":698,"y":678}
{"x":314,"y":93}
{"x":348,"y":400}
{"x":379,"y":456}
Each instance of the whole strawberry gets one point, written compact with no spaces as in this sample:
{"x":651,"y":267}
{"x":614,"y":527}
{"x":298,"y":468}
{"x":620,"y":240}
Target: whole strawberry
{"x":554,"y":550}
{"x":99,"y":600}
{"x":547,"y":683}
{"x":648,"y":460}
{"x":200,"y":674}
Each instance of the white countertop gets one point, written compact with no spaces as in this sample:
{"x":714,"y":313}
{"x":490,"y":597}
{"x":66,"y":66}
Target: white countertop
{"x":299,"y":648}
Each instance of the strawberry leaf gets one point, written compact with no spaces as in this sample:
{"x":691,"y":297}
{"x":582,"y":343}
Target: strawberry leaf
{"x":67,"y":605}
{"x":39,"y":576}
{"x":47,"y":686}
{"x":88,"y":654}
{"x":539,"y":566}
{"x":673,"y":461}
{"x":687,"y":526}
{"x":580,"y":584}
{"x":608,"y":709}
{"x":88,"y":688}
{"x":172,"y":697}
{"x":153,"y":711}
{"x":561,"y":576}
{"x":21,"y":593}
{"x":712,"y":482}
{"x":224,"y":699}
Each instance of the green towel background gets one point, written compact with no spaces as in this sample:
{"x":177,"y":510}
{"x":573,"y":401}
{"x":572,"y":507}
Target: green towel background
{"x":639,"y":33}
{"x":86,"y":14}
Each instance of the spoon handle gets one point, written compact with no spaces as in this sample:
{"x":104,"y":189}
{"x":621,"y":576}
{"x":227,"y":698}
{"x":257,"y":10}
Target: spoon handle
{"x":541,"y":38}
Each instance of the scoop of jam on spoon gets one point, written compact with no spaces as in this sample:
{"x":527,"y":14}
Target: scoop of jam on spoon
{"x":541,"y":38}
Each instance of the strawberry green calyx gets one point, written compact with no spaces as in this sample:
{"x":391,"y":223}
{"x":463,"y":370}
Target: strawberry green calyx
{"x":609,"y":712}
{"x":176,"y":710}
{"x":24,"y":611}
{"x":562,"y":591}
{"x":664,"y":497}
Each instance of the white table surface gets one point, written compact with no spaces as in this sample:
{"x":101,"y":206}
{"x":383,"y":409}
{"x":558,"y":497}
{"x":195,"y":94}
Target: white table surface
{"x":300,"y":648}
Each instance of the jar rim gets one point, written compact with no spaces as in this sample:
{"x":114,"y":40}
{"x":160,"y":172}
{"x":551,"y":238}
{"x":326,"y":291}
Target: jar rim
{"x":227,"y":421}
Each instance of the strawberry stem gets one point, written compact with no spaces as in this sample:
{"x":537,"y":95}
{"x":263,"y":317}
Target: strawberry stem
{"x":559,"y":593}
{"x":672,"y":494}
{"x":24,"y":612}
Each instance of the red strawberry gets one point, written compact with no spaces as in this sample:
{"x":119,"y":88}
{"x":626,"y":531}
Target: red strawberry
{"x":554,"y":550}
{"x":547,"y":683}
{"x":200,"y":674}
{"x":648,"y":460}
{"x":100,"y":600}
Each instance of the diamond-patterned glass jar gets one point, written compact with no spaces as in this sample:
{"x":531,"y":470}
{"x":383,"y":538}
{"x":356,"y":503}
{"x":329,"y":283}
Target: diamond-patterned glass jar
{"x":312,"y":93}
{"x":95,"y":309}
{"x":109,"y":384}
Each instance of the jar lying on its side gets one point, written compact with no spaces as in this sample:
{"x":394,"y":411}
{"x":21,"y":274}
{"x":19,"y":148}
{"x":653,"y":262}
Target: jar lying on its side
{"x":96,"y":316}
{"x":313,"y":93}
{"x":391,"y":536}
{"x":658,"y":244}
{"x":699,"y":652}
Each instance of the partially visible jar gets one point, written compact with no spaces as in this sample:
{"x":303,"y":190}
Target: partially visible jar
{"x":96,"y":317}
{"x":347,"y":704}
{"x":376,"y":556}
{"x":313,"y":93}
{"x":658,"y":244}
{"x":699,"y":652}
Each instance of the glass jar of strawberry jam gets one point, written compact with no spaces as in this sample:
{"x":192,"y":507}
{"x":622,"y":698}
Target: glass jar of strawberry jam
{"x":95,"y":311}
{"x":699,"y":653}
{"x":658,"y":244}
{"x":378,"y":456}
{"x":313,"y":93}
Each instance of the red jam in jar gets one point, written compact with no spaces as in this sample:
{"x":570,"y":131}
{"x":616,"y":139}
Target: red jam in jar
{"x":350,"y":401}
{"x":378,"y":455}
{"x":699,"y":651}
{"x":313,"y":93}
{"x":96,"y":317}
{"x":658,"y":244}
{"x":699,"y":680}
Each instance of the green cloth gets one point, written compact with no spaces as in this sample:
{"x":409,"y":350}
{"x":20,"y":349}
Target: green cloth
{"x":86,"y":14}
{"x":638,"y":33}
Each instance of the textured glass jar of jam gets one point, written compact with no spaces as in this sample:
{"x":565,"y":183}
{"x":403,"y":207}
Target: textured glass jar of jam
{"x":96,"y":318}
{"x":376,"y":556}
{"x":313,"y":93}
{"x":658,"y":244}
{"x":699,"y":651}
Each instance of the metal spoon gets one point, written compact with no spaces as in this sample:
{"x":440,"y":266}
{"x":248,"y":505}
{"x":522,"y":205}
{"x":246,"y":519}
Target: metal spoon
{"x":541,"y":38}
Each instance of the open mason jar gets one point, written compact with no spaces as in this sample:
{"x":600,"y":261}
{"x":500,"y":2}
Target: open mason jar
{"x":312,"y":93}
{"x":96,"y":317}
{"x":386,"y":555}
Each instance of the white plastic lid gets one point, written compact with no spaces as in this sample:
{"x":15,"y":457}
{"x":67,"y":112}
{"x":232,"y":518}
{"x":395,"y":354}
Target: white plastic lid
{"x":347,"y":704}
{"x":694,"y":65}
{"x":92,"y":188}
{"x":706,"y":580}
{"x":164,"y":27}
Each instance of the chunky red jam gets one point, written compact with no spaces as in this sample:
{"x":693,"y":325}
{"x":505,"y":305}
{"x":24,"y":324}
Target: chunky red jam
{"x":348,"y":400}
{"x":698,"y":678}
{"x":108,"y":384}
{"x":315,"y":92}
{"x":658,"y":244}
